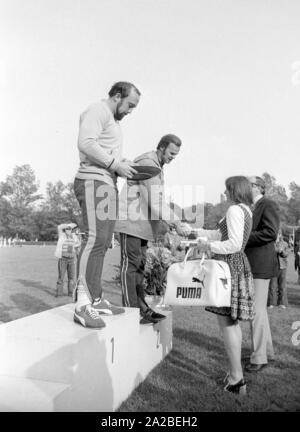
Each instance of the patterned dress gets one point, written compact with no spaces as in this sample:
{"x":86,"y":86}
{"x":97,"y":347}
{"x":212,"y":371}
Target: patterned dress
{"x":242,"y":287}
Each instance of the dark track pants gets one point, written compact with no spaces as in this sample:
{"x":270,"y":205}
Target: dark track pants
{"x":133,"y":258}
{"x":99,"y":206}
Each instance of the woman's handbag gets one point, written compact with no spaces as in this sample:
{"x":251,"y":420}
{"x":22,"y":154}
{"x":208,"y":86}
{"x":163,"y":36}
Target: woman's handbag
{"x":200,"y":282}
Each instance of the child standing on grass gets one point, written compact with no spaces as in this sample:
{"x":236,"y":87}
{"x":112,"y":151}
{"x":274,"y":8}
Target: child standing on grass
{"x":68,"y":243}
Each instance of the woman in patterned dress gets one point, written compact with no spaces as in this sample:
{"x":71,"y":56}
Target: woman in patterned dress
{"x":227,"y":244}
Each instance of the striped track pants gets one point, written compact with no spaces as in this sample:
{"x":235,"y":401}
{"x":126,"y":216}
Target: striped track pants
{"x":99,"y":205}
{"x":133,"y":257}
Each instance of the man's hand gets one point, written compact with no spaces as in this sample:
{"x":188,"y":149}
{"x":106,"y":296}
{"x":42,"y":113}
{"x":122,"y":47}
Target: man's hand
{"x":126,"y":169}
{"x":203,"y":245}
{"x":182,"y":229}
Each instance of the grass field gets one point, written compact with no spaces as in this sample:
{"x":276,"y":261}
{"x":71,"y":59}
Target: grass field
{"x":188,"y":379}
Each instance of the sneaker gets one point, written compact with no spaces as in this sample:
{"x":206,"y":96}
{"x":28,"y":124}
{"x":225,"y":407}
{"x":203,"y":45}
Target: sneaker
{"x":106,"y":308}
{"x":282,"y":306}
{"x":157,"y":315}
{"x":87,"y":317}
{"x":239,"y":388}
{"x":148,"y":320}
{"x":270,"y":307}
{"x":150,"y":313}
{"x":147,"y":317}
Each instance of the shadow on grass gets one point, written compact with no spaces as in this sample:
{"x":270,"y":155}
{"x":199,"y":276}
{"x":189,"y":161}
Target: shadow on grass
{"x":34,"y":284}
{"x":294,"y":295}
{"x":286,"y":355}
{"x":210,"y":345}
{"x":188,"y":377}
{"x":191,"y":379}
{"x":4,"y":313}
{"x":29,"y":304}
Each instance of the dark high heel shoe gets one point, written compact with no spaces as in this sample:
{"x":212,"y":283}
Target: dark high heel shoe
{"x":239,"y":388}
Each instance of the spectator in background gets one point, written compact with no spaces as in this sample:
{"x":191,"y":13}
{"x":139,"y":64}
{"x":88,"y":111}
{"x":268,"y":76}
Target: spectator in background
{"x":65,"y":251}
{"x":277,"y":287}
{"x":297,"y":260}
{"x":172,"y":240}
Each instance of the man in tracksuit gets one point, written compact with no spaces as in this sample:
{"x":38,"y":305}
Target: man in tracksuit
{"x":100,"y":150}
{"x":143,"y":212}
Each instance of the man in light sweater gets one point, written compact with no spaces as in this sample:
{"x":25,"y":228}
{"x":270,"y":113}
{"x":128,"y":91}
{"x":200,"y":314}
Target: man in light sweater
{"x":101,"y":162}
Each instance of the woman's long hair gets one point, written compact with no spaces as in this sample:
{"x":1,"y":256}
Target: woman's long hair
{"x":239,"y":189}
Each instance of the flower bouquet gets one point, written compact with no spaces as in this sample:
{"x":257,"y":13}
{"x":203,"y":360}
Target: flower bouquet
{"x":159,"y":257}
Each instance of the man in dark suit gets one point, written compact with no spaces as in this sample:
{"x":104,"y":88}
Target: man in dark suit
{"x":261,"y":254}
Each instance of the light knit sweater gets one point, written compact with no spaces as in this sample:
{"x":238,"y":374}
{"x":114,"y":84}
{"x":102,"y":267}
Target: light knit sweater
{"x":99,"y":143}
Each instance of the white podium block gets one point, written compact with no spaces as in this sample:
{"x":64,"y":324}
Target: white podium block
{"x":155,"y":342}
{"x":50,"y":363}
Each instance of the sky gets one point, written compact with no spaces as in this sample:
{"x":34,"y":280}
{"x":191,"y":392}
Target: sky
{"x":222,"y":75}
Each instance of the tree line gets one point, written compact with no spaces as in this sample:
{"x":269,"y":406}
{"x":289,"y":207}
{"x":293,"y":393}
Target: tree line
{"x":27,"y":214}
{"x":289,"y":206}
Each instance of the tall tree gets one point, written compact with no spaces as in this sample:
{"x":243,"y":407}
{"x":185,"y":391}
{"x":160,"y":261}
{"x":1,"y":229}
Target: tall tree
{"x":18,"y":195}
{"x":61,"y":203}
{"x":71,"y":203}
{"x":277,"y":193}
{"x":214,"y":213}
{"x":21,"y":187}
{"x":274,"y":190}
{"x":5,"y":210}
{"x":294,"y":204}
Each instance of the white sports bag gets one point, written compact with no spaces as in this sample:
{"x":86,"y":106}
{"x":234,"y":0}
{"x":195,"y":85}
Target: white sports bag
{"x":200,"y":282}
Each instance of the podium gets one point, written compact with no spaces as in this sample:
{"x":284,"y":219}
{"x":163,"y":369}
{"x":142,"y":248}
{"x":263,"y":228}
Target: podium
{"x":50,"y":363}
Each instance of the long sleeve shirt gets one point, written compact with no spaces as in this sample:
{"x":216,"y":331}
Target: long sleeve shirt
{"x":143,"y":210}
{"x":66,"y":244}
{"x":235,"y":220}
{"x":99,"y":143}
